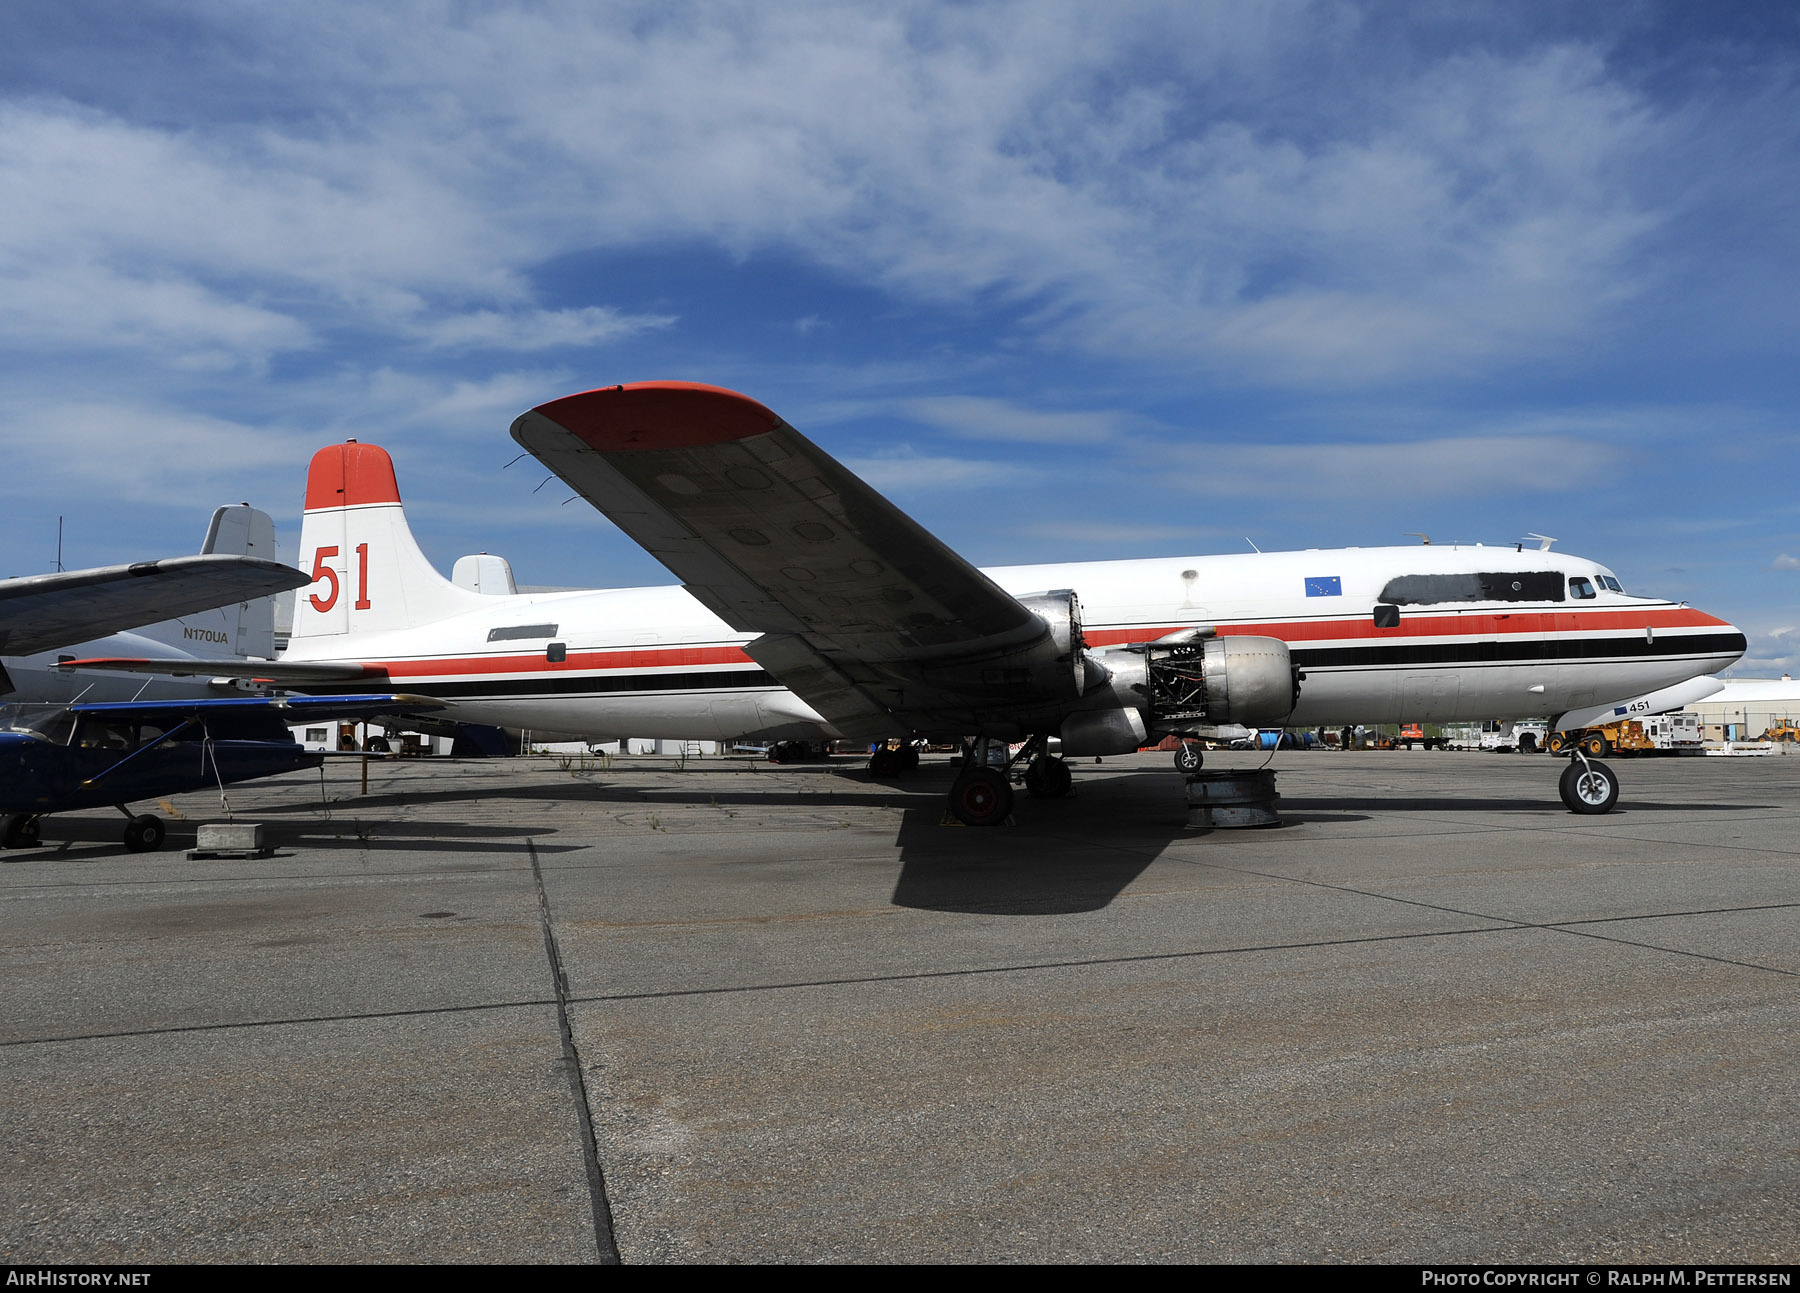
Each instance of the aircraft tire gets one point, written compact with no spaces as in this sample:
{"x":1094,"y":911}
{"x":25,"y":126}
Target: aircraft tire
{"x":981,"y":797}
{"x":20,"y":831}
{"x":145,"y":833}
{"x":1590,"y":788}
{"x":884,"y":764}
{"x":1188,"y":757}
{"x":1048,"y":777}
{"x":376,"y":745}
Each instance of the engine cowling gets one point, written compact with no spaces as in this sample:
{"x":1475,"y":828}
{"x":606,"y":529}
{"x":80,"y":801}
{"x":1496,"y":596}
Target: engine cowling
{"x":1197,"y":681}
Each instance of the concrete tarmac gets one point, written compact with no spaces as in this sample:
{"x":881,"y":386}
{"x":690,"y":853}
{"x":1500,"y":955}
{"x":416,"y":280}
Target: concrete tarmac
{"x":553,"y":1010}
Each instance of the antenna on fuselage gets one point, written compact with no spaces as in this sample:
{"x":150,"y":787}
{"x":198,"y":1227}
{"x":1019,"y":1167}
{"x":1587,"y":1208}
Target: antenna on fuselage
{"x":1253,"y":547}
{"x":1544,"y":541}
{"x":1422,"y":538}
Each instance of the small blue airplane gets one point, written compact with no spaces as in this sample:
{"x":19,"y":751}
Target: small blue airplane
{"x":100,"y":755}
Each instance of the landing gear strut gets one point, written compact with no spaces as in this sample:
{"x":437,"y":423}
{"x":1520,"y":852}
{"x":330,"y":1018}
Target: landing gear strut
{"x":1188,"y":757}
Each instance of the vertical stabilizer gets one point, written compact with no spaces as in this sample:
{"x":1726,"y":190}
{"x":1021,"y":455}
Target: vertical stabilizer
{"x":245,"y":531}
{"x":368,"y":573}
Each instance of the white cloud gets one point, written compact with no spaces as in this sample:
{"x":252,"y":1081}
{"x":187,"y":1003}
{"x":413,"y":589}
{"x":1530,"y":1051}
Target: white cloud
{"x":1472,"y":467}
{"x":1785,"y":562}
{"x":1133,"y":178}
{"x":990,"y":419}
{"x":537,"y":329}
{"x":97,"y":455}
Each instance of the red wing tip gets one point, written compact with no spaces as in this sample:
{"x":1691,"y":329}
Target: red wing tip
{"x":350,"y":475}
{"x":658,"y":415}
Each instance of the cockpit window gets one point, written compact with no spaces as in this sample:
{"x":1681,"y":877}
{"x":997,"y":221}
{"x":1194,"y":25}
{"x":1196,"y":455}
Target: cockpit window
{"x":1611,"y":583}
{"x":1487,"y":586}
{"x":1580,"y":587}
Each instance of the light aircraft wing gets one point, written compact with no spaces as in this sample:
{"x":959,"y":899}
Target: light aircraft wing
{"x":43,"y":612}
{"x":863,"y":612}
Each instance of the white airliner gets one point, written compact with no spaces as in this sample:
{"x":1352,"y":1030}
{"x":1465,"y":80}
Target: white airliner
{"x":813,"y":608}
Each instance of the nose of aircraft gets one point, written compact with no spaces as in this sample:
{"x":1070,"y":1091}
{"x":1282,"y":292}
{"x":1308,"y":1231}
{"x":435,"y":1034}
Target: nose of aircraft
{"x":1726,"y":640}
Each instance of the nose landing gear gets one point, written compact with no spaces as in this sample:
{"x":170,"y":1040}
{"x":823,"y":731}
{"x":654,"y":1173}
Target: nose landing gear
{"x":1588,"y":786}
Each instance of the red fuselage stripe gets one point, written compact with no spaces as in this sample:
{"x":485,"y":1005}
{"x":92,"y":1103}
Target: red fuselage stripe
{"x":1479,"y":626}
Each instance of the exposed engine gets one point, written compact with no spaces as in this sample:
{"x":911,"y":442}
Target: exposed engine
{"x":1190,"y":682}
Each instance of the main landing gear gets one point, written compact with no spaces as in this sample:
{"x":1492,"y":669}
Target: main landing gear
{"x":982,"y":794}
{"x":1588,"y":786}
{"x":20,"y":831}
{"x":885,"y":764}
{"x":144,"y":833}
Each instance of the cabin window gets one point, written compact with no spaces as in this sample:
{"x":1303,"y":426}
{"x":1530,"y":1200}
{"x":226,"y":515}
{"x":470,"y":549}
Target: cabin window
{"x":1387,"y":617}
{"x":514,"y":632}
{"x":1581,"y":588}
{"x":556,"y":652}
{"x":1483,"y":586}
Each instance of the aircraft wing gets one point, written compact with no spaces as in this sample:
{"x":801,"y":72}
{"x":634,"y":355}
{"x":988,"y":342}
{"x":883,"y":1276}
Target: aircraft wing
{"x":294,"y":709}
{"x":43,"y":612}
{"x":274,"y":671}
{"x":864,"y":613}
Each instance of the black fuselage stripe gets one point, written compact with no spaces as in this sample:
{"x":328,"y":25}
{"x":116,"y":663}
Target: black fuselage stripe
{"x":1527,"y":651}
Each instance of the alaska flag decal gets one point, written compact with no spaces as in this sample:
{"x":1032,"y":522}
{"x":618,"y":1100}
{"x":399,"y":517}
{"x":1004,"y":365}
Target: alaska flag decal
{"x":1325,"y":586}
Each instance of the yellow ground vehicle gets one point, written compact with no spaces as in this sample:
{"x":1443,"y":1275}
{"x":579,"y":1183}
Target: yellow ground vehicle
{"x":1658,"y":734}
{"x":1785,"y":730}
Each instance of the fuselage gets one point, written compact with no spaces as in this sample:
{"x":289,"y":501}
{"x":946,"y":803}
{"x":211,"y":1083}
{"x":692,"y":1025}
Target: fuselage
{"x":1380,"y":635}
{"x":42,"y":688}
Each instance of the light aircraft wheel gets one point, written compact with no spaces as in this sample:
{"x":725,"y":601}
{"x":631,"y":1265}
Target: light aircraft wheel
{"x":981,"y":797}
{"x":1589,"y":788}
{"x":20,"y":831}
{"x":376,"y":745}
{"x":1188,"y":757}
{"x":883,"y":764}
{"x":1048,"y":777}
{"x":145,"y":834}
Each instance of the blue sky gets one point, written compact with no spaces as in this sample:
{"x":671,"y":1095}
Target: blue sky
{"x":1065,"y":282}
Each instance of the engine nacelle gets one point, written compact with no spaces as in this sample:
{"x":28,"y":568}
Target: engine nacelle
{"x":1061,"y":613}
{"x":1104,"y":731}
{"x":1249,"y":680}
{"x":1187,"y":684}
